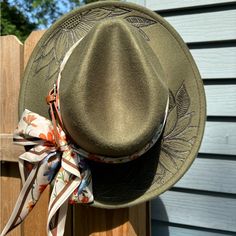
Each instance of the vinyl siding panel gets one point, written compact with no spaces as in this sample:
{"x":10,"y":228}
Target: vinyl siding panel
{"x":215,"y":63}
{"x":203,"y":202}
{"x":201,"y":27}
{"x":163,"y":229}
{"x":196,"y":209}
{"x":223,"y":97}
{"x":210,"y":174}
{"x":180,"y":4}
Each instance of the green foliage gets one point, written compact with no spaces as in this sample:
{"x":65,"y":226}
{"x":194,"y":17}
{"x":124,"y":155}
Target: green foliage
{"x":15,"y":22}
{"x":20,"y":17}
{"x":45,"y":12}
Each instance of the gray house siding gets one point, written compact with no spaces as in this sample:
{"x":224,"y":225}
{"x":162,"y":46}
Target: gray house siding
{"x":203,"y":202}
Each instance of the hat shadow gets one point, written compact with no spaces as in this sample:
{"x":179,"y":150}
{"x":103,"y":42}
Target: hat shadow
{"x":160,"y":227}
{"x":118,"y":184}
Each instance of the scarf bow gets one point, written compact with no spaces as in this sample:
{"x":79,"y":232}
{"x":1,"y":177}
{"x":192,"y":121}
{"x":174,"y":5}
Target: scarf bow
{"x":50,"y":158}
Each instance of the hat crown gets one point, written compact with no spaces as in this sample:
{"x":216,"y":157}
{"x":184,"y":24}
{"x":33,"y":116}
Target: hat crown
{"x":112,"y":91}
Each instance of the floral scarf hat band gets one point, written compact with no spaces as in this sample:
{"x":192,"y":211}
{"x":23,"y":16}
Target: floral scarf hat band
{"x":53,"y":158}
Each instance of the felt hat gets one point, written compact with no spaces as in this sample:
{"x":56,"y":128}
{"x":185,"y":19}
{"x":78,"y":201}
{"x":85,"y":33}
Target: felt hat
{"x":128,"y":89}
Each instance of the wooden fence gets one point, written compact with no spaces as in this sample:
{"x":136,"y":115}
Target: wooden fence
{"x":81,"y":220}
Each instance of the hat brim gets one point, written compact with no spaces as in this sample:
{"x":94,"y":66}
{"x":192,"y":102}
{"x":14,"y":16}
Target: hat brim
{"x":161,"y":167}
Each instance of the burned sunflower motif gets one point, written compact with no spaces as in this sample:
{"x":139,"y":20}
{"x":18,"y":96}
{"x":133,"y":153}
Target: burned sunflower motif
{"x":72,"y":29}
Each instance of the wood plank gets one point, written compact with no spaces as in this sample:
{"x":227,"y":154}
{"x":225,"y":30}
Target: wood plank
{"x":163,"y":229}
{"x":11,"y":56}
{"x":219,"y":138}
{"x":8,"y":151}
{"x":221,"y":100}
{"x":10,"y":185}
{"x":196,"y":210}
{"x":69,"y":222}
{"x":157,"y":5}
{"x":202,"y":27}
{"x":41,"y":209}
{"x":139,"y":220}
{"x":216,"y":62}
{"x":104,"y":222}
{"x":210,"y":175}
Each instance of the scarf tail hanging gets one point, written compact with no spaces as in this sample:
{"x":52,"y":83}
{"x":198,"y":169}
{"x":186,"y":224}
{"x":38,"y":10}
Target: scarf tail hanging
{"x":44,"y":162}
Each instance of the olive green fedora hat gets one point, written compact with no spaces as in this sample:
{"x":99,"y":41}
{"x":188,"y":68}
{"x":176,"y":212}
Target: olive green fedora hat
{"x":128,"y":87}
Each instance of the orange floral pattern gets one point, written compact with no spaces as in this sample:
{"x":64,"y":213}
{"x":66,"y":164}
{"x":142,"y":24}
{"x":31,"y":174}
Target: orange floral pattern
{"x":29,"y":120}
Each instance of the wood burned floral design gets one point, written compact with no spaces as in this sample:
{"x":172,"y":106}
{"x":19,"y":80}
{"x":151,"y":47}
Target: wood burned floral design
{"x":179,"y":135}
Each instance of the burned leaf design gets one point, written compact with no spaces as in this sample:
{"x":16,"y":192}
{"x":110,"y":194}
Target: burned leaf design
{"x":178,"y":145}
{"x":188,"y":133}
{"x":182,"y":101}
{"x":116,"y":11}
{"x":43,"y":60}
{"x":178,"y":134}
{"x":139,"y":22}
{"x":181,"y":125}
{"x":171,"y":100}
{"x":62,"y":44}
{"x":167,"y":162}
{"x":95,"y":14}
{"x":170,"y":122}
{"x":144,"y":34}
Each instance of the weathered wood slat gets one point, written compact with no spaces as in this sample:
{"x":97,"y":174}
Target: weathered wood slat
{"x":9,"y":190}
{"x":11,"y":55}
{"x":40,"y":210}
{"x":161,"y":229}
{"x":9,"y":151}
{"x":196,"y":210}
{"x":157,"y":5}
{"x":103,"y":222}
{"x":216,"y":62}
{"x":205,"y":26}
{"x":210,"y":175}
{"x":221,"y":100}
{"x":219,"y":138}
